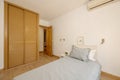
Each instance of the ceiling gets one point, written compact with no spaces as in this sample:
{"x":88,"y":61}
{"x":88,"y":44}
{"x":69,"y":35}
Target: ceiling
{"x":49,"y":9}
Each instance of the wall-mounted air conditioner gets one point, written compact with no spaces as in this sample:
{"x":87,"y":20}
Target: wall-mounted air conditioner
{"x":95,"y":3}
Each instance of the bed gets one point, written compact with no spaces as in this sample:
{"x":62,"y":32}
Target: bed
{"x":66,"y":68}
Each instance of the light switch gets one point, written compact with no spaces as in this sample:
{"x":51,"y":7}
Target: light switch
{"x":60,"y":39}
{"x":63,"y":39}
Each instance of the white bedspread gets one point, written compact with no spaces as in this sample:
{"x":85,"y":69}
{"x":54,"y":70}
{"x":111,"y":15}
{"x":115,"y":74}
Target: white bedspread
{"x":64,"y":69}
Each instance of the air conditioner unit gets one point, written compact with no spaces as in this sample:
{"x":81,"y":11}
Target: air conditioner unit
{"x":95,"y":3}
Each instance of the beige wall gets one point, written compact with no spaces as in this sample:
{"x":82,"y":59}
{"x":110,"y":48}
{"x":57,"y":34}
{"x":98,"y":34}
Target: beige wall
{"x":103,"y":22}
{"x":1,"y":32}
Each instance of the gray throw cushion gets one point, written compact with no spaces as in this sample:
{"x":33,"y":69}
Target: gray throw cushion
{"x":80,"y":53}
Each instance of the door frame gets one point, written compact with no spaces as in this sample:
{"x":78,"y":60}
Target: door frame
{"x":46,"y":28}
{"x":6,"y":44}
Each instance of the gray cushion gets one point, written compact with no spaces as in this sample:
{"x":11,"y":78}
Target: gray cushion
{"x":80,"y":53}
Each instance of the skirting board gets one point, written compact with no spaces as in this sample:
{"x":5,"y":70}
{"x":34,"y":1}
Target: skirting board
{"x":110,"y":76}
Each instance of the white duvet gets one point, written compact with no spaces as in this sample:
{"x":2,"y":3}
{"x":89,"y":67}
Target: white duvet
{"x":64,"y":69}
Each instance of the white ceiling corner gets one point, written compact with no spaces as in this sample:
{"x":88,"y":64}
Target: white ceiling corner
{"x":49,"y":9}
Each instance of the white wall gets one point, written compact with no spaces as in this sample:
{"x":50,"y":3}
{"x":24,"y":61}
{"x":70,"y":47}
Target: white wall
{"x":41,"y":39}
{"x":94,"y":25}
{"x":1,"y":32}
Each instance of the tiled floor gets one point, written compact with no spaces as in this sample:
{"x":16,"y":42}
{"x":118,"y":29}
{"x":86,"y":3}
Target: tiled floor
{"x":44,"y":59}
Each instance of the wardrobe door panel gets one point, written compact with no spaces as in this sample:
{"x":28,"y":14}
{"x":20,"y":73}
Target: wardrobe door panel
{"x":30,"y":36}
{"x":16,"y":36}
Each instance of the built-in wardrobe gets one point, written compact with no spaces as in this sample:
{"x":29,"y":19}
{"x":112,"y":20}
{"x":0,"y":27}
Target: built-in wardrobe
{"x":21,"y":36}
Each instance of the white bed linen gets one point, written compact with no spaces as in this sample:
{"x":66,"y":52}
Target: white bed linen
{"x":64,"y":69}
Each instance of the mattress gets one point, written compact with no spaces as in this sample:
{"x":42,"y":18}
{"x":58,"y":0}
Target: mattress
{"x":66,"y":68}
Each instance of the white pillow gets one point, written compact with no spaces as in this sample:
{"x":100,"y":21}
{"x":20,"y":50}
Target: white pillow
{"x":91,"y":55}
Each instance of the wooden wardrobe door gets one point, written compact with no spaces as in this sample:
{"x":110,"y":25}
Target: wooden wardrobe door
{"x":16,"y":36}
{"x":30,"y":36}
{"x":49,"y":41}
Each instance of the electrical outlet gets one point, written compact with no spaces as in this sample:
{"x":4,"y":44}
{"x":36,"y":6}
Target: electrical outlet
{"x":66,"y":53}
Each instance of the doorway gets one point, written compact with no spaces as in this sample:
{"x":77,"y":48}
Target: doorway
{"x":45,"y":40}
